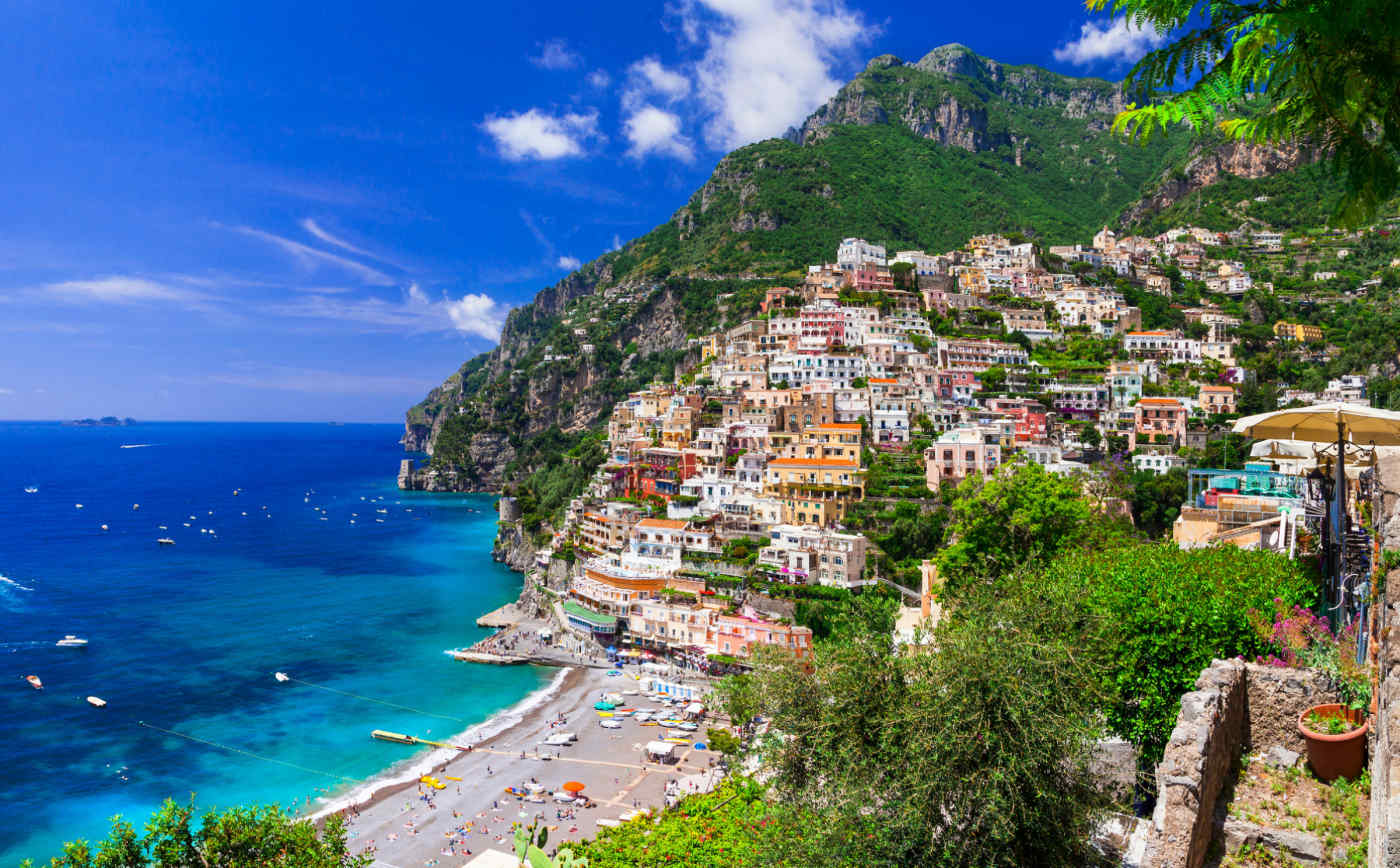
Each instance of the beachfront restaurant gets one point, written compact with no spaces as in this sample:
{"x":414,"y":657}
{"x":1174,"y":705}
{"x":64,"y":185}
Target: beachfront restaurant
{"x":587,"y":621}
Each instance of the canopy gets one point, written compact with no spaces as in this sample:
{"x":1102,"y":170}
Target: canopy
{"x":573,"y":787}
{"x":660,"y":747}
{"x":694,"y":708}
{"x":1318,"y":424}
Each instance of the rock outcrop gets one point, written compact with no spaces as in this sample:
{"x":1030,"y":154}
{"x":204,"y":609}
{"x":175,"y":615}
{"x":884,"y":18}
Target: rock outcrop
{"x":1211,"y":162}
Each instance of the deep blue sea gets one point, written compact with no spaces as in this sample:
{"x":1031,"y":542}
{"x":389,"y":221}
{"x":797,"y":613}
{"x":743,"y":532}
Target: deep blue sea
{"x":298,"y":575}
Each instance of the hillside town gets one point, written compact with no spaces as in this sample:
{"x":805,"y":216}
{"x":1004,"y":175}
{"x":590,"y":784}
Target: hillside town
{"x":757,"y":475}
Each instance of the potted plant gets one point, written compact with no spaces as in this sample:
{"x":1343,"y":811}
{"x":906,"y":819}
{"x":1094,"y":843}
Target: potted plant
{"x":1335,"y":732}
{"x":1336,"y":739}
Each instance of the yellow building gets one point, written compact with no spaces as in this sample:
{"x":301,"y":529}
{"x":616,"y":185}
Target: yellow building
{"x":1296,"y":331}
{"x":814,"y":490}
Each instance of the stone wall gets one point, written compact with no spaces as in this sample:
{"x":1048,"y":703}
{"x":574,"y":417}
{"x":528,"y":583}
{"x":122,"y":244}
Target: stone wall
{"x":1277,"y":697}
{"x":1196,"y":765}
{"x":1384,"y":846}
{"x":1236,"y":707}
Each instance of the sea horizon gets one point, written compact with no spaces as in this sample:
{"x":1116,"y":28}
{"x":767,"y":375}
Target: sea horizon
{"x":185,"y":638}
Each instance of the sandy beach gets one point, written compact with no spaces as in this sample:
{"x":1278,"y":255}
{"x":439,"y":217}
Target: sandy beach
{"x":412,"y":824}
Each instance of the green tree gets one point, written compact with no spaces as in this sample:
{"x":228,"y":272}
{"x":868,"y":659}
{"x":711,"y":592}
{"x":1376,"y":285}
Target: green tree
{"x":993,"y":379}
{"x":1002,"y":521}
{"x":1171,"y":612}
{"x":1156,"y":499}
{"x":973,"y":750}
{"x":255,"y":835}
{"x":1321,"y":71}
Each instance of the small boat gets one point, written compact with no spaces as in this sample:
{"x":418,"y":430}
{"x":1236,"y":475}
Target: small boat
{"x":96,"y":701}
{"x":135,"y":506}
{"x":31,"y":489}
{"x":71,"y":641}
{"x":104,"y":527}
{"x":77,"y":506}
{"x":282,"y":676}
{"x":605,"y":714}
{"x":165,"y":541}
{"x":34,"y":682}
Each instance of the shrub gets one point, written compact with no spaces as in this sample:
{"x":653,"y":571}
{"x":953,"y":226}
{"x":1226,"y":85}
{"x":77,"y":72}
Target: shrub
{"x":1172,"y":612}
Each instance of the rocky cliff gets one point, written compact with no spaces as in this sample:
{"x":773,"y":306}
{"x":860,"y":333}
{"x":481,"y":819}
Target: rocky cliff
{"x":1209,"y":162}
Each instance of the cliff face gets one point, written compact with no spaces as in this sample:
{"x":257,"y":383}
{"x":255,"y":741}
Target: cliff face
{"x":1209,"y":163}
{"x":960,"y":100}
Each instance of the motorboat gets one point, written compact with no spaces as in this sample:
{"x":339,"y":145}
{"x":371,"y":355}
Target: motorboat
{"x":135,"y":506}
{"x":77,"y":506}
{"x":104,"y":527}
{"x":282,"y":676}
{"x":96,"y":701}
{"x":165,"y":541}
{"x":71,"y":641}
{"x":34,"y":682}
{"x":31,"y":489}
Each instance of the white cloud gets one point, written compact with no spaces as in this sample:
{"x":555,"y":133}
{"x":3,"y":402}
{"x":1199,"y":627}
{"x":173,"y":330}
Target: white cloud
{"x":534,"y":135}
{"x":599,"y":78}
{"x":4,"y":391}
{"x":123,"y":290}
{"x":1119,"y":42}
{"x":416,"y":312}
{"x":769,"y":63}
{"x":312,"y":257}
{"x":568,"y":262}
{"x":315,"y":229}
{"x":555,"y":54}
{"x":650,"y":77}
{"x":479,"y":315}
{"x":653,"y":131}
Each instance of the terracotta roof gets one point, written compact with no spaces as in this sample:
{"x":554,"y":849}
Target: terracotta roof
{"x":663,"y":523}
{"x":1159,"y":401}
{"x":812,"y":462}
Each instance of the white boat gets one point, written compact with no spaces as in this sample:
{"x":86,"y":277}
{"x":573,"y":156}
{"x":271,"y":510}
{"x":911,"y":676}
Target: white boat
{"x":166,"y":541}
{"x":77,"y":506}
{"x":31,"y":489}
{"x":96,"y":701}
{"x":71,"y":641}
{"x":135,"y":506}
{"x":281,"y":676}
{"x":104,"y":527}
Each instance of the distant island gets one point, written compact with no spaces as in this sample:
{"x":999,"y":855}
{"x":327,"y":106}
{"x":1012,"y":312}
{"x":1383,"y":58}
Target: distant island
{"x":104,"y":422}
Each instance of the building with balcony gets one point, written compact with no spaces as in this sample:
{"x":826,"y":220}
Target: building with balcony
{"x":960,"y":453}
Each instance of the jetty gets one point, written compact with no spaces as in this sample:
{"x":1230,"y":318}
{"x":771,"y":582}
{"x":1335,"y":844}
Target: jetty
{"x":503,"y":618}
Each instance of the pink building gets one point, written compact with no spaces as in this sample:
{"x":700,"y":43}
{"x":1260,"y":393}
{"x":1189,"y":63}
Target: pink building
{"x":738,"y":635}
{"x":1160,"y":417}
{"x":960,"y":453}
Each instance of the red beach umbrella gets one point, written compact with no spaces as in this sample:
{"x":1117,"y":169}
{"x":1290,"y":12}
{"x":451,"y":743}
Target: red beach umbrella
{"x":573,"y":787}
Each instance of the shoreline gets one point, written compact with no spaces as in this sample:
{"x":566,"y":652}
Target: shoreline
{"x":406,"y":772}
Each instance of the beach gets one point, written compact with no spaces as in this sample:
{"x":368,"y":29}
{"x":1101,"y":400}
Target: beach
{"x":412,"y":824}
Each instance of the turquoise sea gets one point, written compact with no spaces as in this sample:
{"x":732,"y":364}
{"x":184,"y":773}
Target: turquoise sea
{"x":318,"y":567}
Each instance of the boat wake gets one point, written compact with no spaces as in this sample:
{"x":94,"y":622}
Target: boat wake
{"x":412,"y":768}
{"x":12,"y":583}
{"x":136,"y":445}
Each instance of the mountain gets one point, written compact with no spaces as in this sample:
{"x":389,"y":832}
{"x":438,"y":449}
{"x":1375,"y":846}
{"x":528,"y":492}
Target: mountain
{"x":915,"y":155}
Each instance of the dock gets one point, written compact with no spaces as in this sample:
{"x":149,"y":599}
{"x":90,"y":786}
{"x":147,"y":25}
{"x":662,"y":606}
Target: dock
{"x":503,"y":618}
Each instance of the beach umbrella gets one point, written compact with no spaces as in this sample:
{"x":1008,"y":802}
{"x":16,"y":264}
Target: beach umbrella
{"x":573,"y":787}
{"x":1336,"y":423}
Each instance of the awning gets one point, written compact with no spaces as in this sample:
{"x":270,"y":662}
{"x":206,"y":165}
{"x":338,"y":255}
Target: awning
{"x":694,"y":708}
{"x":660,"y":747}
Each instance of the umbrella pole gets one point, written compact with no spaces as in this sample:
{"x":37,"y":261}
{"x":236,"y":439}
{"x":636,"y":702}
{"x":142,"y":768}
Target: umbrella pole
{"x":1339,"y":507}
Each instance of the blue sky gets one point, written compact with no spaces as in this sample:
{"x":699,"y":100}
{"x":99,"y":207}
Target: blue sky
{"x":283,"y":211}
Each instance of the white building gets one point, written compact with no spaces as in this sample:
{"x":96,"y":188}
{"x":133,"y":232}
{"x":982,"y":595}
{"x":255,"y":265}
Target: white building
{"x":854,"y":252}
{"x":1157,"y":462}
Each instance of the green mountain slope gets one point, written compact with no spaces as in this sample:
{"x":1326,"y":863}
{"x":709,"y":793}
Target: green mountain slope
{"x":913,"y":155}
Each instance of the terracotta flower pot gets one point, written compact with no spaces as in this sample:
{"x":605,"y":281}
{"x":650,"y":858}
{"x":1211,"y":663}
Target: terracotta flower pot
{"x":1336,"y":756}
